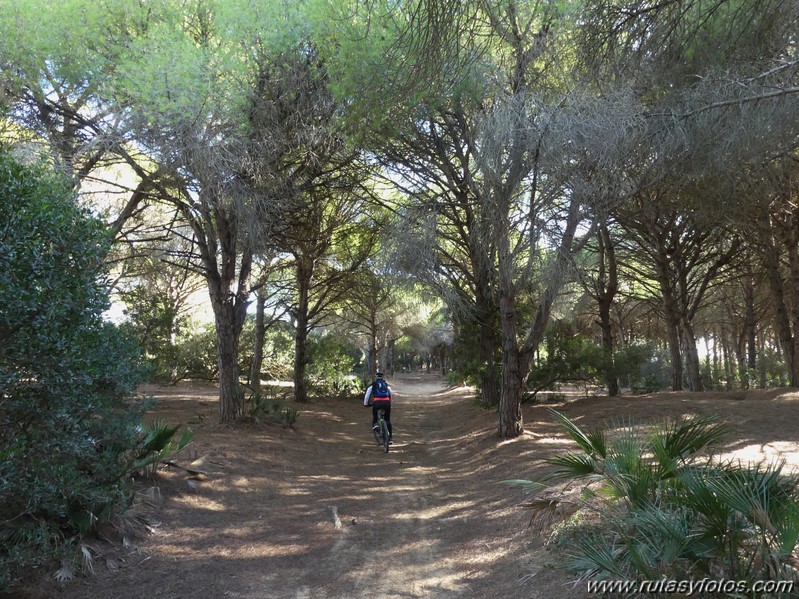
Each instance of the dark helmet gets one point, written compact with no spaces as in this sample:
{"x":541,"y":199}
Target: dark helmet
{"x":379,"y":374}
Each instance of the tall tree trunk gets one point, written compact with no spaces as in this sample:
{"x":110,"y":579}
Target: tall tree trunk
{"x":510,"y":405}
{"x":372,"y":351}
{"x":729,"y":374}
{"x":516,"y":358}
{"x":304,"y":275}
{"x":390,"y":357}
{"x":221,"y":254}
{"x":606,"y":287}
{"x":740,"y":358}
{"x":782,"y":321}
{"x":229,"y":314}
{"x":673,"y":327}
{"x":258,"y":349}
{"x":490,"y":381}
{"x":611,"y":378}
{"x":230,"y":400}
{"x":750,"y":323}
{"x":300,"y":360}
{"x":793,"y":261}
{"x":692,"y":368}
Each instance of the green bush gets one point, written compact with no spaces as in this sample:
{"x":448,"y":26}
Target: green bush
{"x":65,"y":376}
{"x":663,"y":511}
{"x":566,"y":357}
{"x":643,"y":367}
{"x":197,"y":357}
{"x":331,"y":359}
{"x":270,"y":406}
{"x":153,"y":322}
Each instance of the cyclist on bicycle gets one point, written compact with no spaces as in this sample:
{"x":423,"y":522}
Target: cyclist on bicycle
{"x":379,"y":396}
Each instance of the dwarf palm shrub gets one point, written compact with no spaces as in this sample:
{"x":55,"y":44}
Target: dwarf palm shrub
{"x":157,"y":444}
{"x":664,"y":508}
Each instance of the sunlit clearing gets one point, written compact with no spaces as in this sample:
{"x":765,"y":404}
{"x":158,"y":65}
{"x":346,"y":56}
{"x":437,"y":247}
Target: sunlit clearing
{"x":513,"y":440}
{"x":767,"y":453}
{"x":434,"y":512}
{"x":547,"y":440}
{"x":198,"y":501}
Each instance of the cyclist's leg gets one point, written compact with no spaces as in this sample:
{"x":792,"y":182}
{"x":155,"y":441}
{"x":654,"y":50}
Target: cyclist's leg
{"x":374,"y":415}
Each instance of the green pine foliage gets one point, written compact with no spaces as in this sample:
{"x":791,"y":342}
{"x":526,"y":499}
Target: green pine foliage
{"x":66,"y":423}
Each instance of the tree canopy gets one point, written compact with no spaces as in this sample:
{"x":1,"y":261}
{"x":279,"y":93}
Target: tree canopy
{"x":527,"y":162}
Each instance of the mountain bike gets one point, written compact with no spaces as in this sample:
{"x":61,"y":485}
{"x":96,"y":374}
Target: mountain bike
{"x":381,"y":432}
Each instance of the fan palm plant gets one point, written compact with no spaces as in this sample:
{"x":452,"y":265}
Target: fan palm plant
{"x":668,"y":509}
{"x":157,"y":444}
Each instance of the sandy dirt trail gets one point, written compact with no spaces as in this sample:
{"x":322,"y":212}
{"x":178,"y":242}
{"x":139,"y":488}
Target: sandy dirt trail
{"x":321,"y":512}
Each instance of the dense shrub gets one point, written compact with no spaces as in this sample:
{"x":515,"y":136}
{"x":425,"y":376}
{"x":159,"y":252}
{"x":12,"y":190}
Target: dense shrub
{"x":155,"y":324}
{"x":66,"y":424}
{"x":643,"y":367}
{"x":331,"y":361}
{"x":566,"y":358}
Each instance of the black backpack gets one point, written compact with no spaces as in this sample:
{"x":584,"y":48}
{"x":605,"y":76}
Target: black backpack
{"x":380,"y":389}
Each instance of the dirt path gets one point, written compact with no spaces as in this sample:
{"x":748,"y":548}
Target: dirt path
{"x":321,"y":512}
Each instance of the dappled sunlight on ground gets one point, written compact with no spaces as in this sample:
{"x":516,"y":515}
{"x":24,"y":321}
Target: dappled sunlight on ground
{"x":317,"y":511}
{"x":786,"y":452}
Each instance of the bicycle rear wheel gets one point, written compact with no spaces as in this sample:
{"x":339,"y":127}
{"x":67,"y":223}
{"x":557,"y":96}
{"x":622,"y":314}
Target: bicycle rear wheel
{"x":384,"y":431}
{"x":378,"y":436}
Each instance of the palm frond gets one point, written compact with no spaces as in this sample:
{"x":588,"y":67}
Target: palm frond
{"x":592,"y":443}
{"x":685,"y":437}
{"x":788,"y":529}
{"x":750,"y":491}
{"x":528,"y":486}
{"x":666,"y":532}
{"x":574,"y":465}
{"x":158,"y":435}
{"x":697,"y":496}
{"x":596,"y":556}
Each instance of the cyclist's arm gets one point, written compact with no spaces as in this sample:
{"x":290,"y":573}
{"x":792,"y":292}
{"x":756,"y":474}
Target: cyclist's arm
{"x":367,"y":396}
